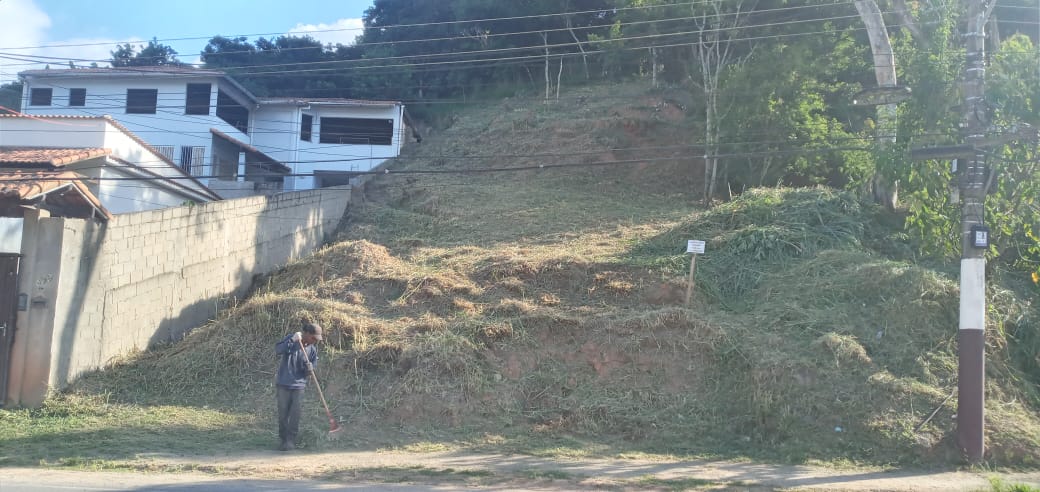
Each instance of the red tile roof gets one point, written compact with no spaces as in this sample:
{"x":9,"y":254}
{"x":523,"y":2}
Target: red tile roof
{"x":61,"y":187}
{"x":53,"y":116}
{"x":325,"y":100}
{"x":51,"y":157}
{"x":126,"y":132}
{"x":172,"y":70}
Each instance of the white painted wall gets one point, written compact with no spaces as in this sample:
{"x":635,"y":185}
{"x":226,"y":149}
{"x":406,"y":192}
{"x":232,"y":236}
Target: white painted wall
{"x":283,"y":123}
{"x":10,"y":235}
{"x":119,"y":196}
{"x":274,"y":128}
{"x":106,"y":95}
{"x":276,"y":132}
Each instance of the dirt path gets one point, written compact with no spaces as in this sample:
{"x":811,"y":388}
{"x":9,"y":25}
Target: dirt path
{"x":518,"y":472}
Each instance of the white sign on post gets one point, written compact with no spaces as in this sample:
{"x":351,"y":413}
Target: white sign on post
{"x":697,"y":248}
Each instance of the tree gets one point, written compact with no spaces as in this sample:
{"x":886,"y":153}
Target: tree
{"x":11,"y":97}
{"x":716,"y":23}
{"x":155,"y":54}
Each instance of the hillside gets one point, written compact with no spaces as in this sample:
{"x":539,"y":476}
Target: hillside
{"x":541,"y":311}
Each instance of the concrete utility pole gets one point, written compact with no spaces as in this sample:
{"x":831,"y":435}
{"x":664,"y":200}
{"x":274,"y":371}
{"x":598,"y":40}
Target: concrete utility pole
{"x":885,"y":73}
{"x":974,"y":240}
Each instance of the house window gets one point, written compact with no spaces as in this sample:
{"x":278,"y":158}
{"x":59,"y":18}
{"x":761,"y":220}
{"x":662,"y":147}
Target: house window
{"x":77,"y":97}
{"x":306,"y":127}
{"x":192,"y":159}
{"x":197,"y":99}
{"x":165,"y":151}
{"x":229,"y":110}
{"x":141,"y":101}
{"x":40,"y":97}
{"x":361,"y":131}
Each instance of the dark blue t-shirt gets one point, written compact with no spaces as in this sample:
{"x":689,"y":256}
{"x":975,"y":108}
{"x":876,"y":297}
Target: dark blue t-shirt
{"x":292,"y":370}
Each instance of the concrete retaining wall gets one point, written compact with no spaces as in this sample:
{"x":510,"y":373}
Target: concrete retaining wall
{"x":98,"y":291}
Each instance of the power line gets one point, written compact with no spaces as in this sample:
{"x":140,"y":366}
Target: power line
{"x":529,"y":48}
{"x":533,"y":47}
{"x":390,"y":26}
{"x":491,"y":170}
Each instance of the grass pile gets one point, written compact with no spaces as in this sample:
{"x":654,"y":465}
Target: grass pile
{"x":542,"y":312}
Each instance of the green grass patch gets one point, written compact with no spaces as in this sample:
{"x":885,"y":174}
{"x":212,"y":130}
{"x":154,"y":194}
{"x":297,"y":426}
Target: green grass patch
{"x":71,"y":430}
{"x":677,"y":484}
{"x":999,"y":485}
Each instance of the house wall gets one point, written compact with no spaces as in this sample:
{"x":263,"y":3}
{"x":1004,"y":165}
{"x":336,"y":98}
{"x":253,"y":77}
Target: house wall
{"x":274,"y":128}
{"x":168,"y":126}
{"x":100,"y":133}
{"x":10,"y":234}
{"x":119,"y":195}
{"x":102,"y":290}
{"x":282,"y":131}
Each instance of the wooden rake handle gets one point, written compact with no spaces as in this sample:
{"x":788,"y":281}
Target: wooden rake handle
{"x":310,"y":369}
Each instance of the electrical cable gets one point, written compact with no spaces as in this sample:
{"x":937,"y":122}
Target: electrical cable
{"x":541,"y":48}
{"x":492,"y":170}
{"x":390,"y":26}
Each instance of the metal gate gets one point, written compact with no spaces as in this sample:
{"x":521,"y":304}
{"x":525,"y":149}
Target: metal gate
{"x":8,"y":314}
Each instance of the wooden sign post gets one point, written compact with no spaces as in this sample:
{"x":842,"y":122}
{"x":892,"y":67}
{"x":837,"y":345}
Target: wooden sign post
{"x":697,"y":248}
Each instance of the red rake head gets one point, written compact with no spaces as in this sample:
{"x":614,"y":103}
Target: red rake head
{"x":334,"y":428}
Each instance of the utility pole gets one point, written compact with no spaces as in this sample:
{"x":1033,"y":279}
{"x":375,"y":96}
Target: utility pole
{"x":974,"y":240}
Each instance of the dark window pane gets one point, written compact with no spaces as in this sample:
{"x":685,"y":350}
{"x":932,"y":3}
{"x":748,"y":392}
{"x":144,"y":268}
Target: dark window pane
{"x":40,"y":97}
{"x":360,"y":131}
{"x":141,"y":101}
{"x":77,"y":97}
{"x":232,"y":112}
{"x":197,"y":100}
{"x":306,"y":127}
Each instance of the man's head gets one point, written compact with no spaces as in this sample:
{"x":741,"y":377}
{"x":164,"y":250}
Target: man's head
{"x":311,"y":333}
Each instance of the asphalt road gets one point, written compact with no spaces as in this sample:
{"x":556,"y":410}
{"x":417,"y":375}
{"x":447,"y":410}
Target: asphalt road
{"x":91,"y":482}
{"x":393,"y":471}
{"x":40,"y":480}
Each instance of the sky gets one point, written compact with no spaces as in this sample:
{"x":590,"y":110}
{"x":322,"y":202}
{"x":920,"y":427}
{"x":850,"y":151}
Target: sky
{"x":33,"y":27}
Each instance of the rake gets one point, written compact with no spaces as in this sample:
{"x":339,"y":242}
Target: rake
{"x":334,"y":427}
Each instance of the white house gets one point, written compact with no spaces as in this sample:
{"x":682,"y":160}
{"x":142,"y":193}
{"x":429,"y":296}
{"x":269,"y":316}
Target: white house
{"x":216,"y":129}
{"x":83,"y":166}
{"x":115,"y":166}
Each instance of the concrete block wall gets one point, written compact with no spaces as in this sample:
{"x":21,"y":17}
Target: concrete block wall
{"x":150,"y":277}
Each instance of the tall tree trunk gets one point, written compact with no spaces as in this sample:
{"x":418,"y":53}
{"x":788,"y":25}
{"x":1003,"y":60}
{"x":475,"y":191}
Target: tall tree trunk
{"x":548,"y":81}
{"x":653,"y":67}
{"x":714,"y":52}
{"x":584,"y":56}
{"x":559,"y":79}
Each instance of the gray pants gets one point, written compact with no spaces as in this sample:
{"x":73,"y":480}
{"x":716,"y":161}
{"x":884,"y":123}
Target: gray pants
{"x":289,"y":405}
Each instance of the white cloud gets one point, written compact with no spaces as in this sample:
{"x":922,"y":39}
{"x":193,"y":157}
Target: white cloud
{"x":343,"y":31}
{"x":29,"y":27}
{"x":24,"y":25}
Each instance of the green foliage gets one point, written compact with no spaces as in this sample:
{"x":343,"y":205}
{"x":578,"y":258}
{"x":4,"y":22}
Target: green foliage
{"x":765,"y":226}
{"x":798,"y":109}
{"x":1014,"y":192}
{"x":154,"y":54}
{"x":1002,"y":486}
{"x":11,"y":96}
{"x":300,"y":64}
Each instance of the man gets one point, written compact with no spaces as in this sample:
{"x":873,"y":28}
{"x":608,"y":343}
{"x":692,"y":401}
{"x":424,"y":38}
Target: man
{"x":295,"y":350}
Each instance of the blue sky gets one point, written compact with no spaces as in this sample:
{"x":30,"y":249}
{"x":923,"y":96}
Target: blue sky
{"x":97,"y":25}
